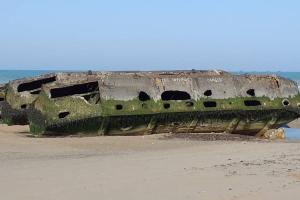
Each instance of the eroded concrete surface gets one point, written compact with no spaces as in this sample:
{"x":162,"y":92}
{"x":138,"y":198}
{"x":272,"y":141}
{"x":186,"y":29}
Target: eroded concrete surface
{"x":132,"y":103}
{"x":119,"y":103}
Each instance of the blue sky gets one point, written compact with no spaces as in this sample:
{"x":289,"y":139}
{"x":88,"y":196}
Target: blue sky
{"x":150,"y":35}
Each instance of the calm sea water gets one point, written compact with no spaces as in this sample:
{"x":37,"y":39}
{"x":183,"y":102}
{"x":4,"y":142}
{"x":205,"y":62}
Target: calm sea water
{"x":7,"y":75}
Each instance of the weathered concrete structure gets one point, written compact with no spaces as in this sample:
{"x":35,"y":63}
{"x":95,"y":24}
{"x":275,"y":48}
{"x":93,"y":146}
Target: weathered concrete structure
{"x":2,"y":98}
{"x":162,"y":102}
{"x":22,"y":92}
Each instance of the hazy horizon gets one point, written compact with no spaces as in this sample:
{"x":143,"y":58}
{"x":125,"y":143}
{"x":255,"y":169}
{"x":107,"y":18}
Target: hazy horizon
{"x":62,"y":69}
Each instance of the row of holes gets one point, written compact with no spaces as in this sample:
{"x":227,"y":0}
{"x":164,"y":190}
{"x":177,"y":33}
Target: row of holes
{"x":212,"y":104}
{"x":180,"y":95}
{"x":207,"y":104}
{"x":250,"y":92}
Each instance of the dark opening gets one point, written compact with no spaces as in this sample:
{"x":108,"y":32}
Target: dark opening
{"x":119,"y":107}
{"x":167,"y":105}
{"x":210,"y":104}
{"x":143,"y":96}
{"x":252,"y":103}
{"x":251,"y":92}
{"x":74,"y":89}
{"x":277,"y":83}
{"x":35,"y":92}
{"x":298,"y":105}
{"x":24,"y":106}
{"x":63,"y":114}
{"x":208,"y":93}
{"x":285,"y":102}
{"x":35,"y":84}
{"x":189,"y":104}
{"x":1,"y":99}
{"x":175,"y":95}
{"x":87,"y":97}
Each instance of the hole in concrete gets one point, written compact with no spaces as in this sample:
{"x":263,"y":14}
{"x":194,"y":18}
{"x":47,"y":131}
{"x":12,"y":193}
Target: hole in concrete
{"x":1,"y":99}
{"x":35,"y":84}
{"x":119,"y":107}
{"x":143,"y":96}
{"x":251,"y":92}
{"x":167,"y":105}
{"x":189,"y":104}
{"x":75,"y":89}
{"x":87,"y":97}
{"x":35,"y":92}
{"x":210,"y":104}
{"x":252,"y":103}
{"x":24,"y":106}
{"x":285,"y":102}
{"x":208,"y":93}
{"x":62,"y":115}
{"x":175,"y":95}
{"x":93,"y":98}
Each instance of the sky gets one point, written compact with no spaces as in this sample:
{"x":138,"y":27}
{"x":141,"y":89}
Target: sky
{"x":234,"y":35}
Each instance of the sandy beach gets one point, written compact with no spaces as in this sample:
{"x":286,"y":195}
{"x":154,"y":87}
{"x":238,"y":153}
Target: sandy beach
{"x":145,"y":167}
{"x":294,"y":124}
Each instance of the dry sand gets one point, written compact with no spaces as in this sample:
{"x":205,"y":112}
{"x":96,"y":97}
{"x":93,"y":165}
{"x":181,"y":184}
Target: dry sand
{"x":146,"y":167}
{"x":294,"y":124}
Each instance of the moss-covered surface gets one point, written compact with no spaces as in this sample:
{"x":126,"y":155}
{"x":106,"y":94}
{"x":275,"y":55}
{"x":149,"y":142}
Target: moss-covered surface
{"x":144,"y":117}
{"x":12,"y":116}
{"x":2,"y":98}
{"x":14,"y":109}
{"x":16,"y":100}
{"x":250,"y":122}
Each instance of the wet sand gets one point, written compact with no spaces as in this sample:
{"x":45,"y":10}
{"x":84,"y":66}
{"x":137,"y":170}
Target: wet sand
{"x":146,"y":167}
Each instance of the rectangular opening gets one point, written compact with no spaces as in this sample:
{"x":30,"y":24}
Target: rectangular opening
{"x":35,"y":92}
{"x":210,"y":104}
{"x":75,"y":89}
{"x":33,"y":85}
{"x":252,"y":103}
{"x":175,"y":95}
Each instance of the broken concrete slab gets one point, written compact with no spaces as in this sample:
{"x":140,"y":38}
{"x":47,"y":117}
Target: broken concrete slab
{"x":22,"y":92}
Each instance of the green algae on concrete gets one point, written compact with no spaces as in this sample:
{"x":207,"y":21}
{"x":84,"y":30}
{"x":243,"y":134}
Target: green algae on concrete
{"x":236,"y":104}
{"x":2,"y":99}
{"x":21,"y":93}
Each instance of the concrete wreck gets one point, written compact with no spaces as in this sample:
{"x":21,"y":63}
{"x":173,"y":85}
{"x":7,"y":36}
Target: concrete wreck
{"x":131,"y":103}
{"x":2,"y":98}
{"x":19,"y":94}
